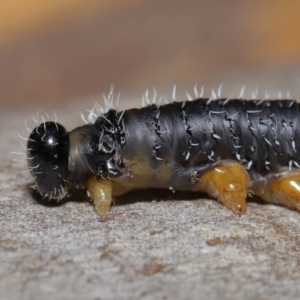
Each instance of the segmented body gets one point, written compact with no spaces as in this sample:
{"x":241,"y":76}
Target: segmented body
{"x":193,"y":136}
{"x":175,"y":145}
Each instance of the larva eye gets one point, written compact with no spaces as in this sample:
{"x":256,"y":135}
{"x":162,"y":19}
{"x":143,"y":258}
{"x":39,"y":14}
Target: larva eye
{"x":47,"y":154}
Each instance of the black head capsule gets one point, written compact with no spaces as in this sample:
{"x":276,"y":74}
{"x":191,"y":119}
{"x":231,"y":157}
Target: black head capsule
{"x":47,"y":155}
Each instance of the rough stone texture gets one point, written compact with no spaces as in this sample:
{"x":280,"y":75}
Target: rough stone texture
{"x":175,"y":248}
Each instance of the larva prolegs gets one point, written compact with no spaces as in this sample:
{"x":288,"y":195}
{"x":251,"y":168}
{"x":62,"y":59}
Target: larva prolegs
{"x":285,"y":190}
{"x":100,"y":191}
{"x":229,"y":182}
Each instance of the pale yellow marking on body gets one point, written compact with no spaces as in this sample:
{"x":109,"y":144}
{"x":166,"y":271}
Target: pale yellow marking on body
{"x":141,"y":175}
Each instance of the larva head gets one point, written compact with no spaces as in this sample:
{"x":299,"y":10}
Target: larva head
{"x":47,"y":156}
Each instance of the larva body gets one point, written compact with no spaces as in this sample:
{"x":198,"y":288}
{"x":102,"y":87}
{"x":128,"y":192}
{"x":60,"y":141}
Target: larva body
{"x":227,"y":148}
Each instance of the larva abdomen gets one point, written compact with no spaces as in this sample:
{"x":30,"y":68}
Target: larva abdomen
{"x":260,"y":136}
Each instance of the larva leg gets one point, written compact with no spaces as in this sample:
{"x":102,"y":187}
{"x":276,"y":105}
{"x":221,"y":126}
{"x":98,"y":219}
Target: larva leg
{"x":101,"y":193}
{"x":285,"y":191}
{"x":229,"y":182}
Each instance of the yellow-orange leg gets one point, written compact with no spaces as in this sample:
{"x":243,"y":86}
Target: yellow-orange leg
{"x":285,"y":190}
{"x":229,"y":182}
{"x":100,"y":191}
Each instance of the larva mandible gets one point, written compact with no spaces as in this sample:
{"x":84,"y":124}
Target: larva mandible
{"x":227,"y":148}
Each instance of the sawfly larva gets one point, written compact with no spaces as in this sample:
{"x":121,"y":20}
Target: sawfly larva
{"x":228,"y":148}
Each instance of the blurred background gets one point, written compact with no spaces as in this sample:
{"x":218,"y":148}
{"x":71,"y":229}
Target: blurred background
{"x":59,"y":52}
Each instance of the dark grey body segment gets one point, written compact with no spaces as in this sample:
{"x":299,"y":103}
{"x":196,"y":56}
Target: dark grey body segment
{"x":192,"y":137}
{"x":265,"y":134}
